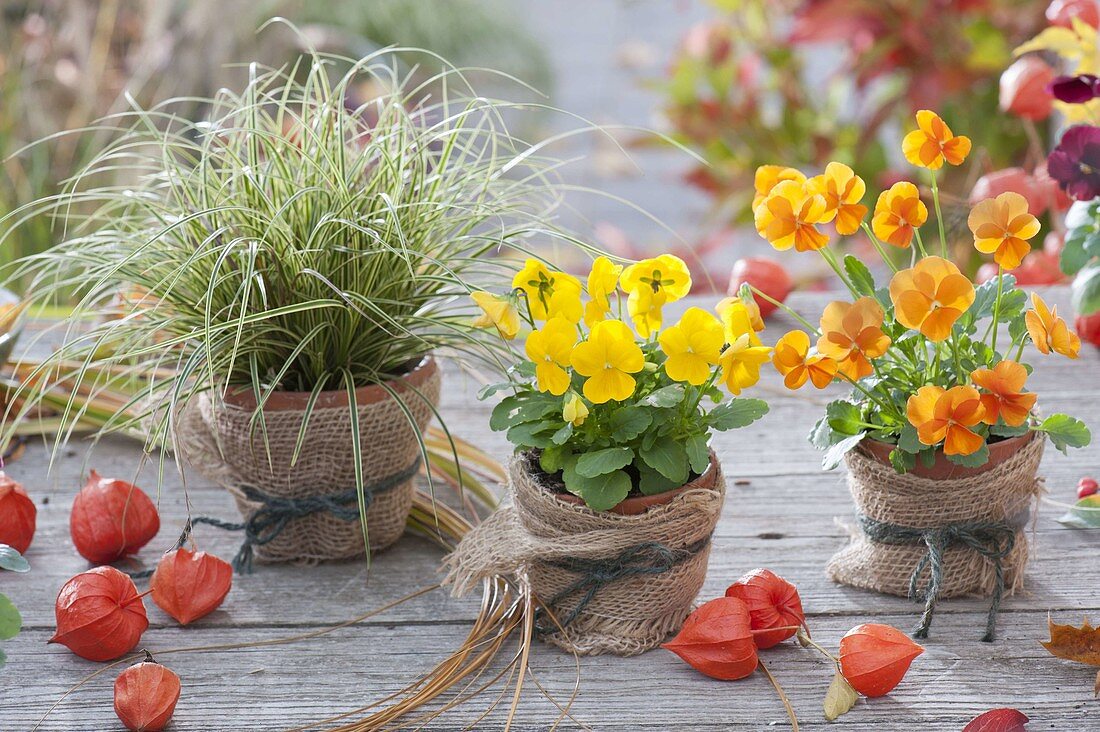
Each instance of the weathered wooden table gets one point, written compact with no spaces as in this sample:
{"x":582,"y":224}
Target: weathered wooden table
{"x":782,"y":512}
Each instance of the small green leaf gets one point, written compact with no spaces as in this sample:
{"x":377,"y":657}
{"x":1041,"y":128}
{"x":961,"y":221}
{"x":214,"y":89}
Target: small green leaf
{"x":667,"y":396}
{"x":1003,"y":430}
{"x":12,"y":560}
{"x":1085,"y":290}
{"x":562,"y":436}
{"x":859,"y":275}
{"x":669,"y":458}
{"x":737,"y":412}
{"x":822,"y":436}
{"x":1065,"y":431}
{"x":908,"y":441}
{"x":501,"y":417}
{"x":985,"y":295}
{"x":903,"y":461}
{"x":629,"y":422}
{"x":599,"y":462}
{"x":10,"y":619}
{"x":1085,"y":514}
{"x":650,"y":482}
{"x":973,"y":460}
{"x":600,"y":493}
{"x":533,"y":434}
{"x":698,"y":453}
{"x":836,"y":453}
{"x":844,"y":417}
{"x":553,"y":458}
{"x":1076,"y":250}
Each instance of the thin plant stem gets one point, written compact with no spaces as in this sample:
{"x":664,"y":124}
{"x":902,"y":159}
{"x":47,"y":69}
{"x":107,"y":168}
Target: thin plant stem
{"x":878,"y":247}
{"x":787,"y":309}
{"x":997,"y":306}
{"x":830,"y":258}
{"x":939,"y":214}
{"x":920,"y":243}
{"x":782,"y":696}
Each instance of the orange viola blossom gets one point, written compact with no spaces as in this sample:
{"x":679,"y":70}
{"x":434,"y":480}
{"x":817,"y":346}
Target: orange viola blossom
{"x":898,"y":213}
{"x":932,"y":143}
{"x":1048,"y":331}
{"x":947,"y":415}
{"x":852,"y":335}
{"x":1005,"y":398}
{"x":793,"y":360}
{"x":787,"y":217}
{"x":931,"y":296}
{"x":768,"y":176}
{"x":1002,"y":226}
{"x":842,"y":190}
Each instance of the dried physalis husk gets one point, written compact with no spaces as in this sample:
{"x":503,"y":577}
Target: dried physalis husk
{"x":100,"y":615}
{"x":146,"y":696}
{"x":188,"y":585}
{"x":111,"y":519}
{"x":17,"y":515}
{"x":874,"y":658}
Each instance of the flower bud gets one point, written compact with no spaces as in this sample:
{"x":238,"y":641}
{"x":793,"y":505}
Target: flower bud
{"x":1024,"y":88}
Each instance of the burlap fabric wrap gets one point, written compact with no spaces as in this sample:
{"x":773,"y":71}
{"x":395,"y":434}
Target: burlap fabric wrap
{"x":1006,"y":494}
{"x":534,"y":536}
{"x":217,"y":440}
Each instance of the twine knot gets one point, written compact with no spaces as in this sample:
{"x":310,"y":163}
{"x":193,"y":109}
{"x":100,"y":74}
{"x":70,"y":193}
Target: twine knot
{"x":994,"y":540}
{"x":276,"y":512}
{"x":646,"y":558}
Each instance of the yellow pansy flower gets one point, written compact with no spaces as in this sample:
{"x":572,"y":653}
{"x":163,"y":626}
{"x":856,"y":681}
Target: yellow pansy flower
{"x":842,"y":190}
{"x":738,"y":319}
{"x":788,"y":217}
{"x":602,"y":282}
{"x":931,"y":296}
{"x":1002,"y":227}
{"x":540,"y":284}
{"x":899,"y":212}
{"x":608,"y":358}
{"x":768,"y":177}
{"x":574,"y":410}
{"x":549,"y":348}
{"x":497,"y":311}
{"x":565,"y":303}
{"x":933,"y":143}
{"x":652,"y":283}
{"x":692,"y":346}
{"x":793,"y":360}
{"x":753,"y":310}
{"x":1049,"y":331}
{"x":745,"y":353}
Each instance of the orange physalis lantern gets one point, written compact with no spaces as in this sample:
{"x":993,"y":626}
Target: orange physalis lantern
{"x":716,"y":640}
{"x":188,"y":585}
{"x":100,"y":615}
{"x":146,"y":696}
{"x":874,"y":658}
{"x":111,"y":519}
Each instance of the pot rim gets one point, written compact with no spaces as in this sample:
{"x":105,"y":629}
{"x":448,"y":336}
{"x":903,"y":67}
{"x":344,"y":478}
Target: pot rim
{"x":244,"y":397}
{"x":944,"y":469}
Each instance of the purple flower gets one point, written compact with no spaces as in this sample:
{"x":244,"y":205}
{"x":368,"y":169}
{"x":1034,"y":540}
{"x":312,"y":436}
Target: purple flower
{"x":1075,"y":162}
{"x":1075,"y":89}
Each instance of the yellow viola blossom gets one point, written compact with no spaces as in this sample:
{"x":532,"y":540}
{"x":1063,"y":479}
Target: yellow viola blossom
{"x":789,"y":215}
{"x":842,"y":190}
{"x":793,"y":360}
{"x":540,"y":284}
{"x":565,"y":303}
{"x":1048,"y":331}
{"x":602,"y":283}
{"x":1002,"y":227}
{"x":574,"y":410}
{"x":692,"y":346}
{"x":852,"y":335}
{"x":550,"y":348}
{"x":608,"y":358}
{"x":652,"y":283}
{"x":741,"y":360}
{"x":932,"y":143}
{"x":753,"y":310}
{"x":931,"y":296}
{"x":768,"y":176}
{"x":898,"y":213}
{"x":497,"y":311}
{"x":947,"y":414}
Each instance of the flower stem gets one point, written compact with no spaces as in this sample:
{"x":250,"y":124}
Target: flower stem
{"x":920,"y":243}
{"x":997,"y":306}
{"x":878,"y":247}
{"x":831,"y":259}
{"x":939,"y":214}
{"x":782,"y":696}
{"x":786,"y":309}
{"x":867,"y":393}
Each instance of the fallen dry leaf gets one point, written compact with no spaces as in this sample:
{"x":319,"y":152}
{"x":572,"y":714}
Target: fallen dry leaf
{"x":998,"y":720}
{"x":839,"y":698}
{"x":1073,"y":643}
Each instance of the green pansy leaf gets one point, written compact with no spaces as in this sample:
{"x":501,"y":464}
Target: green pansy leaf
{"x":501,"y":417}
{"x":1065,"y":431}
{"x":553,"y":458}
{"x":669,"y":458}
{"x":533,"y":434}
{"x":489,"y":389}
{"x":1085,"y":514}
{"x":1003,"y":430}
{"x":737,"y":412}
{"x":600,"y":493}
{"x":10,"y":620}
{"x":651,"y":482}
{"x":859,"y":276}
{"x":844,"y":417}
{"x":908,"y":441}
{"x":822,"y":436}
{"x":1074,"y":253}
{"x":835,"y":455}
{"x":985,"y":295}
{"x":1085,"y":290}
{"x":599,"y":462}
{"x":903,"y":461}
{"x":629,"y":422}
{"x":1013,"y":303}
{"x":562,"y":436}
{"x":667,"y":396}
{"x":698,"y":453}
{"x":974,"y":460}
{"x":12,"y":560}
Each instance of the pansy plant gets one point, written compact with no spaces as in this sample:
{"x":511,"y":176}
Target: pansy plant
{"x":934,"y":363}
{"x":614,"y":401}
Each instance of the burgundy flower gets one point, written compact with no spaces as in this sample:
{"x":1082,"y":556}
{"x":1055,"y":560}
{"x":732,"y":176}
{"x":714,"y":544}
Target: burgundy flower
{"x":1075,"y":162}
{"x":1075,"y":89}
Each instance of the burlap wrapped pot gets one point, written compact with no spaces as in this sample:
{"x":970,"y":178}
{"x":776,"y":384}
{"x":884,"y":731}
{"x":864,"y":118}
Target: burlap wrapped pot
{"x":970,"y":522}
{"x":218,"y":440}
{"x":613,"y":582}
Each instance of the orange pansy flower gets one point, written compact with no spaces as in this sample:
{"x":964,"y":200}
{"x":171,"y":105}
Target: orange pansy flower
{"x":768,"y":176}
{"x":792,"y":359}
{"x":1002,"y":226}
{"x":947,"y":415}
{"x":843,"y":190}
{"x":898,"y":212}
{"x":787,"y":217}
{"x":931,"y":296}
{"x":1005,"y":398}
{"x":852,"y":335}
{"x":1048,"y":331}
{"x":933,"y":142}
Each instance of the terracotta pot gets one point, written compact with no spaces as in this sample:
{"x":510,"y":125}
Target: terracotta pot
{"x":281,"y":401}
{"x":944,"y":469}
{"x":640,"y":504}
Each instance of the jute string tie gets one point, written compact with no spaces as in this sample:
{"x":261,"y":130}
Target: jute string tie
{"x":276,"y":512}
{"x":994,"y":540}
{"x":644,"y":559}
